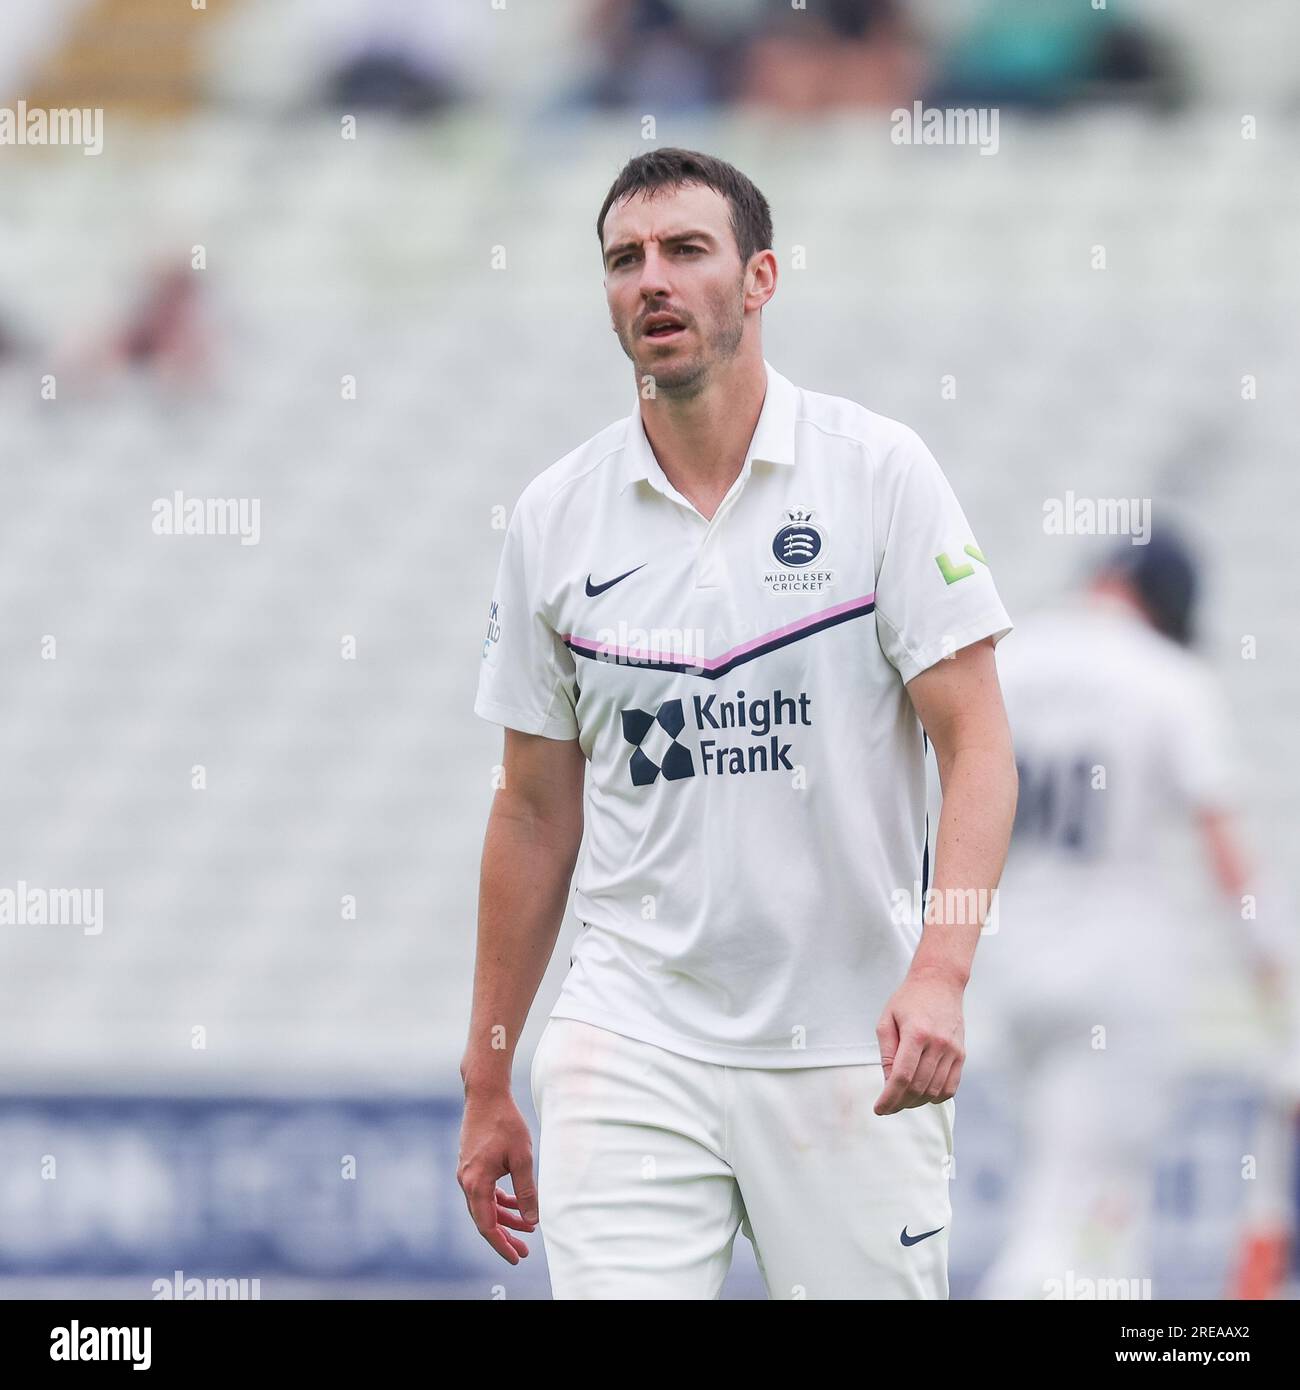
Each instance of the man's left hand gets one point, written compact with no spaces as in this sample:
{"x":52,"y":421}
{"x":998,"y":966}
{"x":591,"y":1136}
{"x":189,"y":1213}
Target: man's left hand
{"x":922,"y":1043}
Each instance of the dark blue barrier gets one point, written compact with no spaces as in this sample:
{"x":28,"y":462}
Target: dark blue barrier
{"x":358,"y":1189}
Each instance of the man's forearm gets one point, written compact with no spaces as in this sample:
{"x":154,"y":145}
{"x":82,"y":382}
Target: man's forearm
{"x":524,"y":884}
{"x":979,"y":804}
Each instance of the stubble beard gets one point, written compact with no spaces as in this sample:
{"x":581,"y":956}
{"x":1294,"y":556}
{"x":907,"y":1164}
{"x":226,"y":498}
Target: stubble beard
{"x":687,"y":375}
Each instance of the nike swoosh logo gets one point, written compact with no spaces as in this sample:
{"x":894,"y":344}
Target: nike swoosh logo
{"x":594,"y":589}
{"x":912,"y":1240}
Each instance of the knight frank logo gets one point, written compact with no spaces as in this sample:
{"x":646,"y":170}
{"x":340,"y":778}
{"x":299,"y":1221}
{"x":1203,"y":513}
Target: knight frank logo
{"x":659,"y":746}
{"x":657,"y":732}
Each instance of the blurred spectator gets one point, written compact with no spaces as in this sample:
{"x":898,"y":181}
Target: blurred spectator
{"x":395,"y":56}
{"x":384,"y":78}
{"x":677,"y":54}
{"x":657,"y":54}
{"x":848,"y":53}
{"x":164,"y":332}
{"x":1041,"y":54}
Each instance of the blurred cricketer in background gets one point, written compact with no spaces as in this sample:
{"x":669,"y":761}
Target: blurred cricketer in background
{"x":739,"y":610}
{"x":1121,"y":738}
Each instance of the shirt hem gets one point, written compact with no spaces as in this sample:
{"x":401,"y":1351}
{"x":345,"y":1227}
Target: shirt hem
{"x":525,"y":722}
{"x":724,"y":1054}
{"x":995,"y":625}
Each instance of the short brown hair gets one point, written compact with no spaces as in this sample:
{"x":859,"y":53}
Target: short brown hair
{"x":751,"y":218}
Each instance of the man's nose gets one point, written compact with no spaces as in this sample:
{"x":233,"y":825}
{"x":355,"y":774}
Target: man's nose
{"x":654,"y":274}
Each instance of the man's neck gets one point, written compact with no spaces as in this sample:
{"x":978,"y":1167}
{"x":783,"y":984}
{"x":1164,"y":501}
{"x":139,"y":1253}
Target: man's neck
{"x":701,"y":442}
{"x":1107,"y":598}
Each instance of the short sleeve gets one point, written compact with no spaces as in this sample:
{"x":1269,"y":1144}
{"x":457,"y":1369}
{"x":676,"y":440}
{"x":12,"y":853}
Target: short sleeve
{"x":526,"y":676}
{"x":1198,"y":750}
{"x":934,"y":589}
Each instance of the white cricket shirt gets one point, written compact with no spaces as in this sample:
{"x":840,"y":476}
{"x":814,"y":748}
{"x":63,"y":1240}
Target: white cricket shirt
{"x":755,"y":799}
{"x":1120,"y":734}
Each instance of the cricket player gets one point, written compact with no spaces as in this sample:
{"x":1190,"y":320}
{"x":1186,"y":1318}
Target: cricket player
{"x":740,"y":611}
{"x":1121,"y":739}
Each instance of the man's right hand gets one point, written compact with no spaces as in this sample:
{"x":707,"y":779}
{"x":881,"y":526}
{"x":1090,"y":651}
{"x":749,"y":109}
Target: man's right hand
{"x":494,"y":1141}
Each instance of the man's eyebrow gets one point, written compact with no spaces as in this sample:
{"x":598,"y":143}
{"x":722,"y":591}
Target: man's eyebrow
{"x":670,"y":238}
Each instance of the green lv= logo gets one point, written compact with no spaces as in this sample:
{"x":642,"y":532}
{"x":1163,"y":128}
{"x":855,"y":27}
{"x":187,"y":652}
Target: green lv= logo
{"x":952,"y":573}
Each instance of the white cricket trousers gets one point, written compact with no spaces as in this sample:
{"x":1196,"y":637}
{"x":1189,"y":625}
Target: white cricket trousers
{"x":648,"y":1162}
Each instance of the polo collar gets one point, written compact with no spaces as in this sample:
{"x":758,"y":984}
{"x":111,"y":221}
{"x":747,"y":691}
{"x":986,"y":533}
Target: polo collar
{"x":773,"y":440}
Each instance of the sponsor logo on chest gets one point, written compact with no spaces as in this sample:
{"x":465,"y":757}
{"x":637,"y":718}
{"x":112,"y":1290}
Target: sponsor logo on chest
{"x":713,"y":736}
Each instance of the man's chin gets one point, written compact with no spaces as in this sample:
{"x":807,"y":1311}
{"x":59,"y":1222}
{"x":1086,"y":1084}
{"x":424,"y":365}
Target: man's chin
{"x":670,"y":368}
